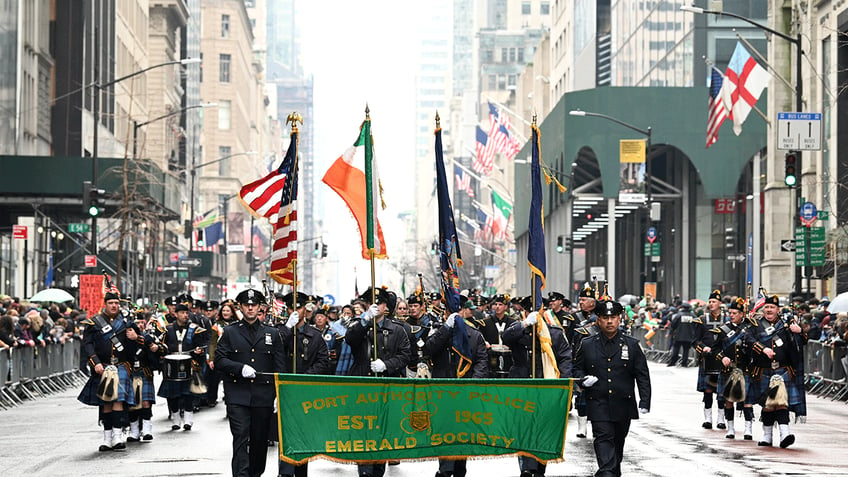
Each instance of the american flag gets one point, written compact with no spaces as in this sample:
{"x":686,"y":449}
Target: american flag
{"x":485,"y":153}
{"x":484,"y":231}
{"x":278,"y":306}
{"x":504,"y":142}
{"x":261,"y":196}
{"x":717,"y":111}
{"x":108,"y":286}
{"x":463,"y":181}
{"x":284,"y":254}
{"x":761,"y":300}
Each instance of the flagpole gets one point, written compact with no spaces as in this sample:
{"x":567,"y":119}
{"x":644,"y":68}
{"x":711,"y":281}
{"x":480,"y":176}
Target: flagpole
{"x":370,"y":233}
{"x":373,"y":299}
{"x":533,"y":332}
{"x":294,"y":308}
{"x":294,"y":117}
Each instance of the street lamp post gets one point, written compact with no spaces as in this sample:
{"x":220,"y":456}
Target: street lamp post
{"x":611,"y":204}
{"x":194,"y":169}
{"x":799,"y":104}
{"x":96,"y":133}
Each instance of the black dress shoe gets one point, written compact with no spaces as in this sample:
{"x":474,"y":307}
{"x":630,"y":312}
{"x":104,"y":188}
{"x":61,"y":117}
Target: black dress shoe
{"x":707,"y":425}
{"x":581,"y":436}
{"x":175,"y":427}
{"x":764,"y":444}
{"x":187,"y":427}
{"x":132,"y":439}
{"x":104,"y":448}
{"x":787,"y":441}
{"x":721,"y":425}
{"x":147,"y":437}
{"x":748,"y":437}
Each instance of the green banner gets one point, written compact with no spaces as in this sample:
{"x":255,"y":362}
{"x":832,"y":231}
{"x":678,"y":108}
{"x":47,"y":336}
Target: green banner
{"x":358,"y":419}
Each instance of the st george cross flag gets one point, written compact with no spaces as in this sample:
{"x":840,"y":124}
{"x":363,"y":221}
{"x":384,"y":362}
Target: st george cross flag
{"x":717,"y":111}
{"x":354,"y":185}
{"x":284,"y":252}
{"x":485,"y":153}
{"x":746,"y":81}
{"x":502,"y":213}
{"x":463,"y":181}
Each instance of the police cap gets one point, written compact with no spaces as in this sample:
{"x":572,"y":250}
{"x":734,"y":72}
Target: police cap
{"x":608,"y":308}
{"x":250,"y":297}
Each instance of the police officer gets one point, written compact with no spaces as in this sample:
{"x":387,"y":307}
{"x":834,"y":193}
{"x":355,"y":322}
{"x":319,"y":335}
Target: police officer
{"x":561,"y":308}
{"x":519,"y":336}
{"x":609,"y":365}
{"x":246,"y":349}
{"x":470,"y":361}
{"x":777,"y":347}
{"x":393,"y":353}
{"x":686,"y":328}
{"x":331,"y":337}
{"x":494,"y":326}
{"x":110,"y":340}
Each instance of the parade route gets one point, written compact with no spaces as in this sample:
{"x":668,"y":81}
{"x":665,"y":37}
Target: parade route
{"x":58,"y":436}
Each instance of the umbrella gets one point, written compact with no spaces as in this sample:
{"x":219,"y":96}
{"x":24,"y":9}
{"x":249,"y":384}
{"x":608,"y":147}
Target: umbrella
{"x":626,"y":299}
{"x":839,"y":303}
{"x":56,"y":295}
{"x":697,"y":302}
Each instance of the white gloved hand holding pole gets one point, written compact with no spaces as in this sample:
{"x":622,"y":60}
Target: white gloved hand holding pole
{"x":531,"y":319}
{"x":294,"y":318}
{"x":370,"y":314}
{"x":589,"y":381}
{"x":378,"y":366}
{"x":248,"y":372}
{"x":451,"y":321}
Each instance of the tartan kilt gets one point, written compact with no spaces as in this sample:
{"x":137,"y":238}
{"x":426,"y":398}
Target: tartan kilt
{"x":88,"y":394}
{"x":722,"y":382}
{"x":175,"y":389}
{"x":148,"y":389}
{"x":756,"y":388}
{"x":706,"y":381}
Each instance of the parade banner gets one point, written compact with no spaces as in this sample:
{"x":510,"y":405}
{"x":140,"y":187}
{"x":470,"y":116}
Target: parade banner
{"x":360,"y":419}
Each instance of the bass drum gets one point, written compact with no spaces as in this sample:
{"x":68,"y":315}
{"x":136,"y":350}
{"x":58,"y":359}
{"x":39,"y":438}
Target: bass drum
{"x":500,"y":361}
{"x":177,"y":367}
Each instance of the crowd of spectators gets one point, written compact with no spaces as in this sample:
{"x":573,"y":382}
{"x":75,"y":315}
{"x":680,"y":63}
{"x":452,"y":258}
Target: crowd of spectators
{"x":35,"y":325}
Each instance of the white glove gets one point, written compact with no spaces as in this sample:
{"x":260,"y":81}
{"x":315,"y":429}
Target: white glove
{"x":451,"y":321}
{"x":642,"y":410}
{"x":378,"y":366}
{"x":248,"y":372}
{"x":293,"y":319}
{"x":531,"y":319}
{"x":589,"y":381}
{"x":369,"y":314}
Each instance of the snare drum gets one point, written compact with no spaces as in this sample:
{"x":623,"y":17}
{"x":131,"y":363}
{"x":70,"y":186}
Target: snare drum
{"x":177,"y":367}
{"x":500,"y":361}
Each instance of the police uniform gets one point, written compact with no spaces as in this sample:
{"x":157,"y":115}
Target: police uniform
{"x":332,"y":339}
{"x":564,"y":316}
{"x":246,"y":349}
{"x":493,"y":327}
{"x":442,"y":346}
{"x":617,"y":364}
{"x":687,"y":329}
{"x":105,"y":343}
{"x":787,"y":346}
{"x":393,"y":355}
{"x":183,"y":339}
{"x":520,"y":338}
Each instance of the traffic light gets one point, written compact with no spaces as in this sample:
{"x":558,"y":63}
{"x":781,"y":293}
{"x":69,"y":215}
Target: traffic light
{"x":317,"y":250}
{"x":323,"y":250}
{"x":730,"y":239}
{"x":569,"y":244}
{"x":560,"y":244}
{"x":93,"y":199}
{"x":791,"y":168}
{"x":187,"y":229}
{"x":434,"y":248}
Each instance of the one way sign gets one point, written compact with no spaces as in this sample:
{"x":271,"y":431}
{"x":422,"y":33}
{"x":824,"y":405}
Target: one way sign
{"x":787,"y":245}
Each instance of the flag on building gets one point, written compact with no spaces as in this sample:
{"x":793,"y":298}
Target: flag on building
{"x":485,"y":158}
{"x":499,"y":131}
{"x":284,"y":249}
{"x":450,"y":259}
{"x":536,"y":227}
{"x":463,"y":181}
{"x":262,"y":197}
{"x":208,"y":230}
{"x":717,"y":111}
{"x":502,"y":213}
{"x":484,"y":230}
{"x":746,"y":80}
{"x":360,"y":189}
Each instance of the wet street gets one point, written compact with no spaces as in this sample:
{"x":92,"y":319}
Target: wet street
{"x":59,"y":436}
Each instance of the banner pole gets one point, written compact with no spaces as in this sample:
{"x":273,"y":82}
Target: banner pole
{"x":294,"y":309}
{"x":533,"y":332}
{"x":373,"y":299}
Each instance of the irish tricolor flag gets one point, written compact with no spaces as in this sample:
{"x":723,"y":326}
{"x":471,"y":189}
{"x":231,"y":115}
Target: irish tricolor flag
{"x":354,"y":177}
{"x":503,"y":211}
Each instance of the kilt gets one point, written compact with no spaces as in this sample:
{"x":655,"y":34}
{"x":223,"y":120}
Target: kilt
{"x":756,"y":388}
{"x":88,"y":394}
{"x":175,"y":389}
{"x":707,"y":381}
{"x":722,"y":381}
{"x":148,"y":389}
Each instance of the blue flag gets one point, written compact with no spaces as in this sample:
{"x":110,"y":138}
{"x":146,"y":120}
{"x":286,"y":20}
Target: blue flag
{"x":536,"y":249}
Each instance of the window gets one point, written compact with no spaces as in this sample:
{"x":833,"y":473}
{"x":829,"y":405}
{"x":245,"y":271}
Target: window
{"x":488,"y":56}
{"x":493,"y":82}
{"x":501,"y":82}
{"x":224,"y":68}
{"x":525,"y":8}
{"x":521,"y":55}
{"x":224,"y":114}
{"x":545,"y":8}
{"x":504,"y":54}
{"x":225,"y":26}
{"x":512,"y":55}
{"x":224,"y":165}
{"x":200,"y":67}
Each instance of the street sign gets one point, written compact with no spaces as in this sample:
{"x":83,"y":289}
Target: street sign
{"x":817,"y":246}
{"x":79,"y":228}
{"x":787,"y":245}
{"x":631,"y":150}
{"x":19,"y":232}
{"x":808,"y":213}
{"x":824,"y":215}
{"x":799,"y":131}
{"x":174,"y":258}
{"x":652,"y":234}
{"x":652,"y":250}
{"x":599,"y":273}
{"x":91,"y":261}
{"x":190,"y":262}
{"x":632,"y":198}
{"x":329,"y":299}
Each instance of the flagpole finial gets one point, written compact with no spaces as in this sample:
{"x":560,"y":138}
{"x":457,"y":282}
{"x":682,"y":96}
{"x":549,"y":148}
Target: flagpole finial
{"x":294,"y":117}
{"x":437,"y":120}
{"x":534,"y":118}
{"x":367,"y":111}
